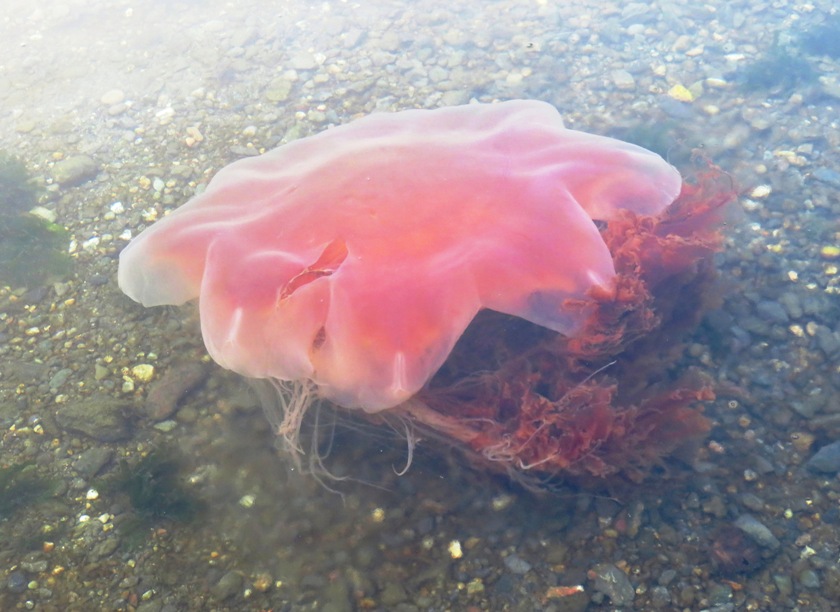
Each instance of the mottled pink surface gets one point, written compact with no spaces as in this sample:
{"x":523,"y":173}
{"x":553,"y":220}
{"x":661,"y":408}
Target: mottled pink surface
{"x":357,"y":257}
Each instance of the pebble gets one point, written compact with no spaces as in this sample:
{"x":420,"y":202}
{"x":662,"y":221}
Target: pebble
{"x":16,"y":581}
{"x":227,"y":586}
{"x":166,"y":426}
{"x":667,"y":576}
{"x":808,"y":578}
{"x":623,"y":80}
{"x":90,"y":462}
{"x":680,"y":93}
{"x":826,"y":460}
{"x":44,"y":213}
{"x":455,"y":97}
{"x":660,"y":597}
{"x":393,"y":594}
{"x":828,"y":341}
{"x":97,"y":417}
{"x":303,"y":60}
{"x":34,"y":566}
{"x":675,"y":109}
{"x":784,"y":583}
{"x":761,"y":191}
{"x":772,"y":311}
{"x":390,"y":41}
{"x":613,"y":583}
{"x":827,"y":175}
{"x":24,"y":126}
{"x":177,"y":381}
{"x":791,"y":303}
{"x":278,"y":90}
{"x":112,"y":97}
{"x":752,"y":502}
{"x":59,"y":378}
{"x":74,"y":170}
{"x":757,"y":531}
{"x":105,"y":548}
{"x":143,"y":372}
{"x":517,"y":564}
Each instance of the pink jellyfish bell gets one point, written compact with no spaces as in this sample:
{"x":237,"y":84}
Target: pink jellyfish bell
{"x":350,"y":263}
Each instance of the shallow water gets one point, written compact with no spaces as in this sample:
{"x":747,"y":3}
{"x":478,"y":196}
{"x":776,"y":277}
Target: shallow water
{"x":146,"y":101}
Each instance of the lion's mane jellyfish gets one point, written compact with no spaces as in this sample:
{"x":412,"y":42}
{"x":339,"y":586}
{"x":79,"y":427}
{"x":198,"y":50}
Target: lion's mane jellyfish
{"x":479,"y":272}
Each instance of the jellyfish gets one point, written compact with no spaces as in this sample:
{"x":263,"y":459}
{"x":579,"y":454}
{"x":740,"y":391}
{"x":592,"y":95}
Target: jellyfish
{"x":350,"y":264}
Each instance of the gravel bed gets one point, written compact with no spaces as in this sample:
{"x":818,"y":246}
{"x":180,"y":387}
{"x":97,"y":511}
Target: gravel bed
{"x":122,"y":111}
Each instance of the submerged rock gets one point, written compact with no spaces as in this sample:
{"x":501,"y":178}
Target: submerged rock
{"x":100,"y":418}
{"x":74,"y":170}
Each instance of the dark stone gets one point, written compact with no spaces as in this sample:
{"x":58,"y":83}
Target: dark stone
{"x":227,"y":586}
{"x":16,"y":582}
{"x":90,"y":462}
{"x":827,"y":175}
{"x":733,"y":552}
{"x":517,"y":564}
{"x":100,"y":418}
{"x":105,"y":548}
{"x":826,"y":460}
{"x":758,"y":531}
{"x":613,"y":583}
{"x":176,"y":382}
{"x":771,"y":311}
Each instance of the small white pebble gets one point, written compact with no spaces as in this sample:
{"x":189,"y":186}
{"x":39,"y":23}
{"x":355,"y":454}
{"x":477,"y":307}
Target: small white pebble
{"x":455,"y":549}
{"x":762,"y":191}
{"x":92,"y":494}
{"x":90,"y":244}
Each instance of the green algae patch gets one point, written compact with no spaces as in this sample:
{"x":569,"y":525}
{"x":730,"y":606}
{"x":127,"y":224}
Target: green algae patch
{"x":33,"y":250}
{"x":22,"y":486}
{"x":780,"y":70}
{"x":156,"y":491}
